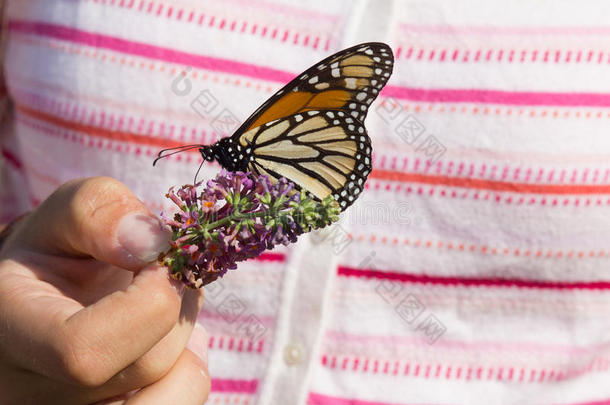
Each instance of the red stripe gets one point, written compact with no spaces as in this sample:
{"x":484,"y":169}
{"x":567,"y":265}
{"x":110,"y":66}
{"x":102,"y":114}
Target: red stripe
{"x":228,"y":385}
{"x":263,"y":73}
{"x":122,"y":136}
{"x":12,"y":159}
{"x":490,"y":184}
{"x":389,"y":175}
{"x":271,"y":257}
{"x":471,"y":281}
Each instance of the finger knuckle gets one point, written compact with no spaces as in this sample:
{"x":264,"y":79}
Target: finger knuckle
{"x":93,"y":192}
{"x":93,"y":202}
{"x":165,"y":306}
{"x":153,"y":366}
{"x":80,"y":364}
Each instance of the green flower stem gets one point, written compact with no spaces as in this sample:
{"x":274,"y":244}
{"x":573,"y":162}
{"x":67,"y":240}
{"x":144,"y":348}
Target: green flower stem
{"x":238,"y":216}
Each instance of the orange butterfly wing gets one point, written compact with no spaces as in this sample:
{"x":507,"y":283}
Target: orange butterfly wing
{"x":311,"y":131}
{"x":349,"y":81}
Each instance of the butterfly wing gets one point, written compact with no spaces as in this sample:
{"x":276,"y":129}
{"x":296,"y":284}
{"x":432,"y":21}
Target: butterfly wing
{"x":349,"y":81}
{"x":324,"y":152}
{"x":311,"y":131}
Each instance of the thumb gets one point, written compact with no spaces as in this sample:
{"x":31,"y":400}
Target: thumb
{"x":97,"y":217}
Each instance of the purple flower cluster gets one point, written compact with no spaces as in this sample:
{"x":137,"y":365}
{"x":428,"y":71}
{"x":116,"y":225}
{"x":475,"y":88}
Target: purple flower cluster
{"x":236,"y":217}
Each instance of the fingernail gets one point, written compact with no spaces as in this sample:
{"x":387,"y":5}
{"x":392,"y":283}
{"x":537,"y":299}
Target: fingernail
{"x":198,"y":343}
{"x":142,"y":236}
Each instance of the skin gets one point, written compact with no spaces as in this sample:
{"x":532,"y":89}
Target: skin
{"x":85,"y":320}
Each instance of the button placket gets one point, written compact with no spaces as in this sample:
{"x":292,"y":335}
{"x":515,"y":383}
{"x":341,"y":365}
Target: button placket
{"x":300,"y":322}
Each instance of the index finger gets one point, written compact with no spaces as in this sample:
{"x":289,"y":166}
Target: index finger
{"x":95,"y":217}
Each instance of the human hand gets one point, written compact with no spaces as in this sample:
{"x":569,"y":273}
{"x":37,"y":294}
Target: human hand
{"x":85,"y":317}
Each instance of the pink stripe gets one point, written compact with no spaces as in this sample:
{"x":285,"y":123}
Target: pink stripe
{"x":340,"y":338}
{"x":436,"y":370}
{"x":472,"y":281}
{"x":498,"y":97}
{"x":321,"y":399}
{"x":269,"y":74}
{"x":489,"y":30}
{"x":227,"y":385}
{"x":208,"y":315}
{"x":148,"y":51}
{"x":268,"y":7}
{"x":270,"y":257}
{"x":599,"y":402}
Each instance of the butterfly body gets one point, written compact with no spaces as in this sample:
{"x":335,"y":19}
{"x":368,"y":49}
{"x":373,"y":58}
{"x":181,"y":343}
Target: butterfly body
{"x":229,"y":155}
{"x":312,"y":130}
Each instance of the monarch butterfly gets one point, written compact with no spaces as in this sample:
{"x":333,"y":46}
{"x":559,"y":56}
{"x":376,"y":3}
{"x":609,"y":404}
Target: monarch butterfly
{"x":312,"y":130}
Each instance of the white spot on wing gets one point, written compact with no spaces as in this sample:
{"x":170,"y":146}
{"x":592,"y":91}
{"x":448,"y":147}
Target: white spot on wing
{"x":350,"y":82}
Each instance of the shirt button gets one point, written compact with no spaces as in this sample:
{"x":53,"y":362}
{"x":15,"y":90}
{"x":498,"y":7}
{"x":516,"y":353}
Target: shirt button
{"x":293,"y":354}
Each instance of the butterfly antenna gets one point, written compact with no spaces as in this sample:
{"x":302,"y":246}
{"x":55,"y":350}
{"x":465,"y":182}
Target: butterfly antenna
{"x":162,"y":154}
{"x":197,"y":173}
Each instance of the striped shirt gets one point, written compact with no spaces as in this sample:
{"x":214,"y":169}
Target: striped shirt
{"x":473,"y":268}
